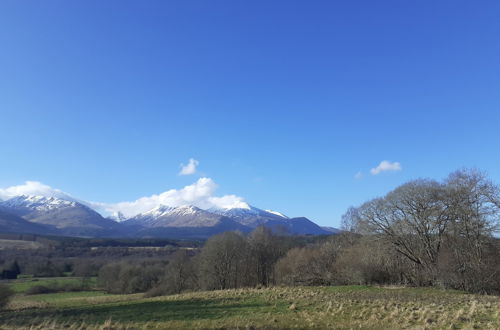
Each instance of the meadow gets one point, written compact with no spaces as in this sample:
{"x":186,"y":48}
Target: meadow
{"x":341,"y":307}
{"x":24,"y":284}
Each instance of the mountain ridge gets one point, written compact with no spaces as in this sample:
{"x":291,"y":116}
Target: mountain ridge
{"x":76,"y":219}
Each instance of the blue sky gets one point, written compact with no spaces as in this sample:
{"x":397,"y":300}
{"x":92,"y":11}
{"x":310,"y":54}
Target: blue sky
{"x":281,"y":102}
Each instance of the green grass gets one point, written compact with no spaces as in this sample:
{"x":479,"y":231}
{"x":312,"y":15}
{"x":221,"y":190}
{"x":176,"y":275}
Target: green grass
{"x":61,"y":299}
{"x":22,"y":285}
{"x":342,"y":307}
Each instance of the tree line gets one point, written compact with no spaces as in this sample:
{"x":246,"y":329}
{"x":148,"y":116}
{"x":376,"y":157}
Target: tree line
{"x":423,"y":233}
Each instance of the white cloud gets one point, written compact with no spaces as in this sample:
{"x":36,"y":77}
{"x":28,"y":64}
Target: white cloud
{"x":190,"y":168}
{"x":33,"y":188}
{"x":386,"y":166}
{"x":200,"y":194}
{"x":358,"y":176}
{"x":229,"y":202}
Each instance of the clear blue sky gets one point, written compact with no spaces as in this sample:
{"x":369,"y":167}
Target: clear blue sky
{"x":281,"y":102}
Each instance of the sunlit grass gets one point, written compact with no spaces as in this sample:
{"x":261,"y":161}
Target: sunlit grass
{"x":301,"y":307}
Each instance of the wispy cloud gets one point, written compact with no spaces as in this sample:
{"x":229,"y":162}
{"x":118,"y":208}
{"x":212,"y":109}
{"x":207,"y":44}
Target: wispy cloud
{"x":190,"y":168}
{"x":358,"y":176}
{"x":386,"y":166}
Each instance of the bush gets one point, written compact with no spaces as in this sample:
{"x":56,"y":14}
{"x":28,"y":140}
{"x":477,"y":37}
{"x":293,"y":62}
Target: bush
{"x":48,"y":269}
{"x":57,"y":287}
{"x":180,"y":275}
{"x":5,"y":294}
{"x":40,"y":289}
{"x":123,"y":278}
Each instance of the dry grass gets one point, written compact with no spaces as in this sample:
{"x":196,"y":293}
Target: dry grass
{"x":301,"y":307}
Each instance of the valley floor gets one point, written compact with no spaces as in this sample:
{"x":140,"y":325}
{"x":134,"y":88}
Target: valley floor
{"x":343,"y":307}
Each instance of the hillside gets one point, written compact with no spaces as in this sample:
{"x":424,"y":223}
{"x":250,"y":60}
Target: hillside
{"x":11,"y":223}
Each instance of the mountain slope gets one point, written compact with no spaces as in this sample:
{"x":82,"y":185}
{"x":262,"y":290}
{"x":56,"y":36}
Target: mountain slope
{"x":182,"y":216}
{"x":253,"y":217}
{"x":192,"y":221}
{"x":11,"y":223}
{"x":38,"y":214}
{"x":68,"y":217}
{"x":181,"y":222}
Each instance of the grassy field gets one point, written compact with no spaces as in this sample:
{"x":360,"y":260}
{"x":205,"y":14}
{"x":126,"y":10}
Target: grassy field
{"x":22,"y":285}
{"x":301,"y":307}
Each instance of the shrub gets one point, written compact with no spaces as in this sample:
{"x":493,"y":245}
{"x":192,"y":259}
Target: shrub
{"x":58,"y":287}
{"x":123,"y":278}
{"x":180,"y":275}
{"x":40,"y":289}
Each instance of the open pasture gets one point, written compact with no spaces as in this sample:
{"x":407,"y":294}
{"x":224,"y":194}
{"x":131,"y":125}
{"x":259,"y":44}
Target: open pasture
{"x":344,"y":307}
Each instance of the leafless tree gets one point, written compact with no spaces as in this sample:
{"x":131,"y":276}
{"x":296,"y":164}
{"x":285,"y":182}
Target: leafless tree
{"x":429,"y":222}
{"x":475,"y":207}
{"x":350,"y":220}
{"x":180,"y":274}
{"x":414,"y":218}
{"x":222,"y":260}
{"x":265,"y":250}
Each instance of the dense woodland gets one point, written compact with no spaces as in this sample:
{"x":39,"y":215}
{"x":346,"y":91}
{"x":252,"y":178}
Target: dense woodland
{"x":423,"y":233}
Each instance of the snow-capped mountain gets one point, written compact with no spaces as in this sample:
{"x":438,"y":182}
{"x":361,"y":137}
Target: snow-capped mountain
{"x":192,"y":216}
{"x":241,"y":213}
{"x":67,"y":217}
{"x":185,"y":221}
{"x":277,"y":213}
{"x":252,"y":216}
{"x":181,"y":216}
{"x":30,"y":204}
{"x":244,"y":219}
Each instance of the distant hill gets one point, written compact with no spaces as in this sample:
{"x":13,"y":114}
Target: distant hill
{"x":49,"y":215}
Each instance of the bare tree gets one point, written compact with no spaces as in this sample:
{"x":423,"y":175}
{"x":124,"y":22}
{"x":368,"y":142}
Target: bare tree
{"x":350,"y":220}
{"x":433,"y":224}
{"x":265,"y":250}
{"x":414,"y":218}
{"x":180,"y":273}
{"x":475,"y":206}
{"x":222,"y":260}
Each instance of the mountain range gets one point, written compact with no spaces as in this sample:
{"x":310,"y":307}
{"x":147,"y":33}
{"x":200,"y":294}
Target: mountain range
{"x":55,"y":216}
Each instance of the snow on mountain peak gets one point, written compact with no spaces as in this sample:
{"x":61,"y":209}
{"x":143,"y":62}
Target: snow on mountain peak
{"x":163,"y":210}
{"x":39,"y":203}
{"x":240,"y":212}
{"x":158,"y":211}
{"x":277,"y":213}
{"x":186,"y":210}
